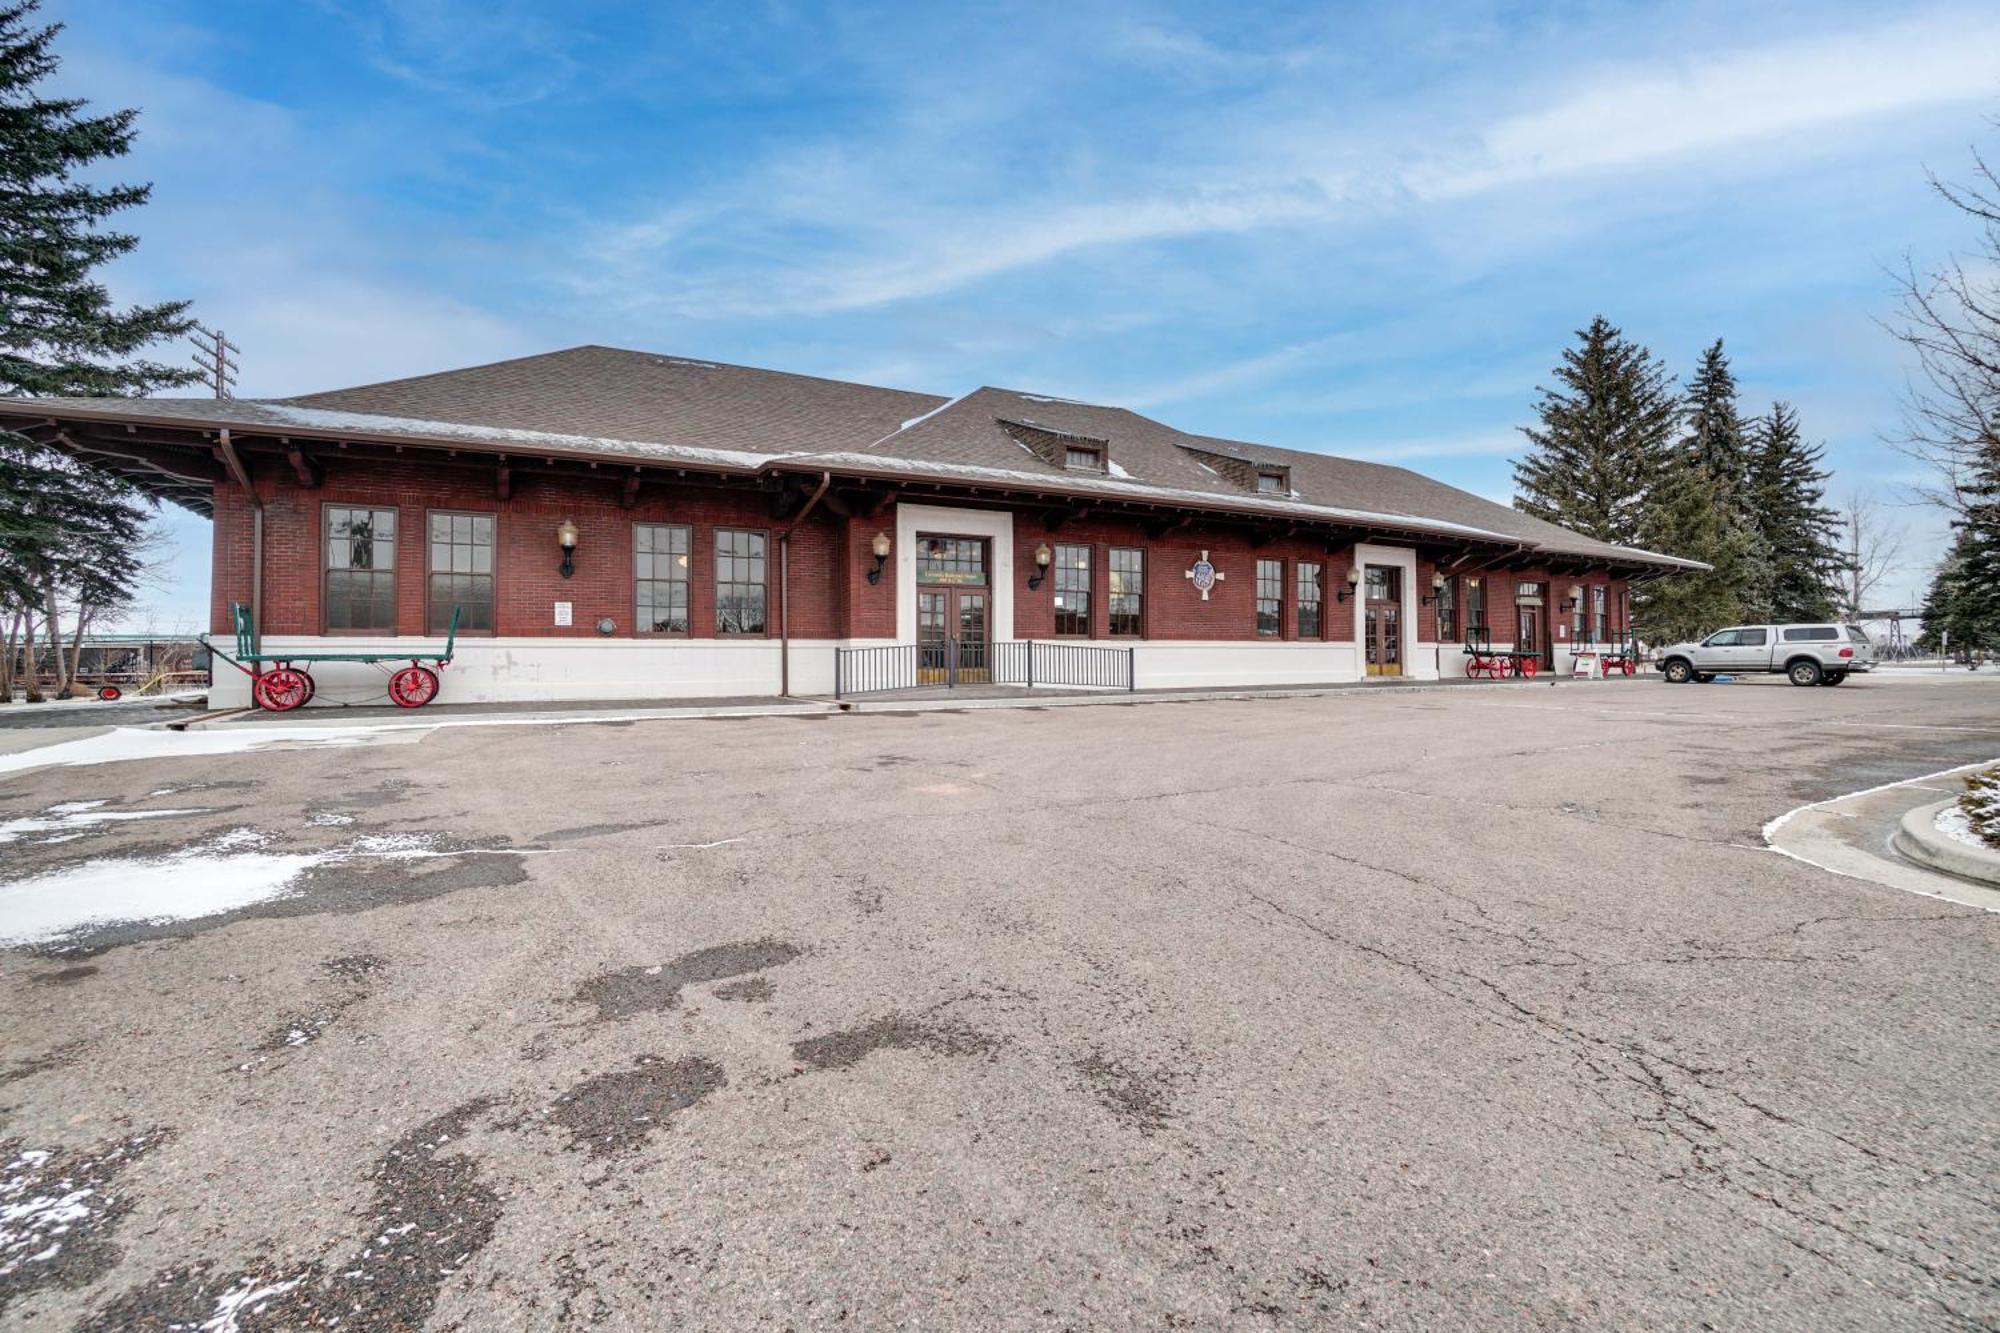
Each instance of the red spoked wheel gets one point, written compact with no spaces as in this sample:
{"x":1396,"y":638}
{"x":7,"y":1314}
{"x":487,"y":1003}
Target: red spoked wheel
{"x":1529,"y":667}
{"x":413,"y":687}
{"x":281,"y":689}
{"x":1631,"y":667}
{"x":111,"y":694}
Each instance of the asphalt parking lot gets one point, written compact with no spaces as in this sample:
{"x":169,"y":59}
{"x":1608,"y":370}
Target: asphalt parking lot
{"x":1470,"y":1009}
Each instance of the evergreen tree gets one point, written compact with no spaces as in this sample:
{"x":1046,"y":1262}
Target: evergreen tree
{"x":1602,"y":430}
{"x":1687,"y":515}
{"x":1717,"y":442}
{"x":61,"y":334}
{"x":1964,"y":597}
{"x":1799,"y":534}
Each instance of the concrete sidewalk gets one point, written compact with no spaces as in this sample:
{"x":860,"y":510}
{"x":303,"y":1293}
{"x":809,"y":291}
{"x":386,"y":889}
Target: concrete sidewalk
{"x":923,"y":699}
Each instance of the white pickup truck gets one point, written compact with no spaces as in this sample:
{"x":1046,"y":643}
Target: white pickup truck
{"x":1812,"y":654}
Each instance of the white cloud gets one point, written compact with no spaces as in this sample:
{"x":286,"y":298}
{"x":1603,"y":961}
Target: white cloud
{"x":1631,"y":116}
{"x":907,"y":211}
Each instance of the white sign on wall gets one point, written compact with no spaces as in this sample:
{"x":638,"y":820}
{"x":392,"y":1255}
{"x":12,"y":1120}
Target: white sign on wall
{"x":563,"y":618}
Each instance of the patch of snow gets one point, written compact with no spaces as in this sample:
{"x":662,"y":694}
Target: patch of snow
{"x":196,"y":881}
{"x":1082,"y":483}
{"x":925,"y":416}
{"x":329,"y":819}
{"x":222,"y":874}
{"x":72,"y":819}
{"x":246,"y":1297}
{"x":1112,"y":467}
{"x":700,"y":365}
{"x":1954,"y":823}
{"x":1046,"y":398}
{"x":123,"y":743}
{"x":366,"y":423}
{"x":34,"y":1216}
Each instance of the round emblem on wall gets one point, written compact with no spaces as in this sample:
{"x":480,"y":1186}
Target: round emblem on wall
{"x":1204,"y":576}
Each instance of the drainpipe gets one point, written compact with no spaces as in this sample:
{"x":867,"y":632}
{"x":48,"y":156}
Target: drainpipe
{"x":785,"y":588}
{"x":234,"y":463}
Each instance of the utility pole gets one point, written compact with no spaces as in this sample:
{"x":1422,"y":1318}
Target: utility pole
{"x":214,"y":353}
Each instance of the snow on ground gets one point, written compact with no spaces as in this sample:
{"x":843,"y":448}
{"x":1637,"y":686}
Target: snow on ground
{"x":72,"y":819}
{"x":144,"y":743}
{"x":221,"y":874}
{"x":1953,"y":822}
{"x":34,"y":1218}
{"x":248,"y":1296}
{"x":92,"y":701}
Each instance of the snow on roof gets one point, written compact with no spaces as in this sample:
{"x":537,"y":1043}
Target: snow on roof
{"x":362,"y":423}
{"x":1116,"y":487}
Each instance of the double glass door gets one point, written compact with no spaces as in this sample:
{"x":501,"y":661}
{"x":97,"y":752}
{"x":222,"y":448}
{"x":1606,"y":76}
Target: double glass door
{"x":1382,"y":621}
{"x":952,"y":636}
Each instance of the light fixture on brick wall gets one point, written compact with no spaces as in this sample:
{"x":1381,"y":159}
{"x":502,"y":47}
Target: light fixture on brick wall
{"x":1043,"y":555}
{"x":566,"y":538}
{"x":881,"y":546}
{"x":1353,"y":582}
{"x":1575,"y":597}
{"x":1437,"y":586}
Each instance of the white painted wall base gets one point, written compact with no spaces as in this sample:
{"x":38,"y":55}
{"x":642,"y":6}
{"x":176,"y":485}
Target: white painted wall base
{"x":536,"y":670}
{"x":1180,"y":664}
{"x":560,"y":670}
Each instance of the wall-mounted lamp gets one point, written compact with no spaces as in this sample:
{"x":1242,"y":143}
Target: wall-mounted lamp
{"x":881,"y":546}
{"x":1437,"y":586}
{"x":566,"y":538}
{"x":1353,"y":582}
{"x":1043,"y":555}
{"x":1575,"y":597}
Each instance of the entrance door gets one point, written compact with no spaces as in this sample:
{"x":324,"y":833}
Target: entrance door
{"x":952,"y":645}
{"x":953,"y":601}
{"x":1382,"y":621}
{"x":1528,"y":637}
{"x":974,"y":660}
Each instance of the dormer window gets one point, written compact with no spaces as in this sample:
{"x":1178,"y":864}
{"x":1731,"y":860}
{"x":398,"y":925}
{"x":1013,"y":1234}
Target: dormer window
{"x":1065,"y":449}
{"x":1273,"y":481}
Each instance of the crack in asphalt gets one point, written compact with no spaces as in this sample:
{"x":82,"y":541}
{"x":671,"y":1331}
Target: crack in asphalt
{"x":1677,"y":1116}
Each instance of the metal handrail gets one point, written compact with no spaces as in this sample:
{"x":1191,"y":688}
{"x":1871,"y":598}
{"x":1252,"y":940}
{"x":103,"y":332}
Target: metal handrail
{"x":952,"y":662}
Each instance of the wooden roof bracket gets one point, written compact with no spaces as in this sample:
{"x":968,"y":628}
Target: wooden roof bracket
{"x":234,"y":462}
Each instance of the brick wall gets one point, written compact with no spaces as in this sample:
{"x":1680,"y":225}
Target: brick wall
{"x":830,"y":558}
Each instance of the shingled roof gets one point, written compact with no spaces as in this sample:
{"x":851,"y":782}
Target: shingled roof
{"x":606,"y":403}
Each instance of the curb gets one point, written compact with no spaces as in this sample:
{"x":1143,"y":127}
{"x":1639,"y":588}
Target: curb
{"x":1918,"y":838}
{"x":1127,"y":698}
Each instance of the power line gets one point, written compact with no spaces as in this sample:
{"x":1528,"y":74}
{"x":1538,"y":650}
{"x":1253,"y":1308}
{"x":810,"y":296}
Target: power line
{"x":215,"y":355}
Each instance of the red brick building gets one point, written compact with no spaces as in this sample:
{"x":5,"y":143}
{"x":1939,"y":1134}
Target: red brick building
{"x":731,"y":528}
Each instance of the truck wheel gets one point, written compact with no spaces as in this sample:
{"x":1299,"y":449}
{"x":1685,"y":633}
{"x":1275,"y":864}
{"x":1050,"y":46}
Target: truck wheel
{"x":1677,"y":671}
{"x":1833,"y":678}
{"x":1805,"y":671}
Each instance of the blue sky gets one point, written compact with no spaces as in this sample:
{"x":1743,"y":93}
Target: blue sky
{"x":1363,"y":230}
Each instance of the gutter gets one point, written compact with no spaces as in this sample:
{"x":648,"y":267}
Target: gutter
{"x":785,"y":587}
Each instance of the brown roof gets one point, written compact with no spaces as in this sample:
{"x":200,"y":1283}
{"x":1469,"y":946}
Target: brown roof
{"x":602,"y":402}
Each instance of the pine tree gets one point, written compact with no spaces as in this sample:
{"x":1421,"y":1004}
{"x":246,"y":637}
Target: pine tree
{"x":61,"y":333}
{"x":1798,"y":533}
{"x":1601,"y":431}
{"x":1964,"y":598}
{"x":1717,"y":443}
{"x":1687,"y":515}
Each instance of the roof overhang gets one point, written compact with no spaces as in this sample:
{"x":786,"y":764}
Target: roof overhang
{"x":181,"y":458}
